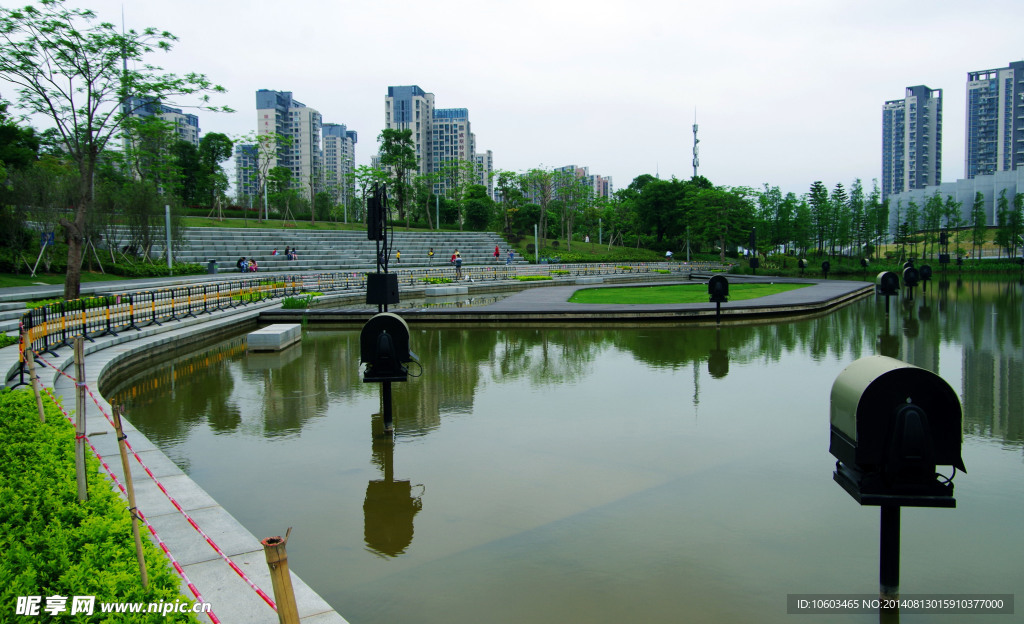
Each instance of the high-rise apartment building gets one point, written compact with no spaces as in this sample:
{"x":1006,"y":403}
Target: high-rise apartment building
{"x":912,"y":141}
{"x":413,"y":108}
{"x":442,"y":138}
{"x":995,"y":120}
{"x":485,"y":170}
{"x":339,"y":163}
{"x":246,"y":178}
{"x":296,"y":129}
{"x":185,"y":125}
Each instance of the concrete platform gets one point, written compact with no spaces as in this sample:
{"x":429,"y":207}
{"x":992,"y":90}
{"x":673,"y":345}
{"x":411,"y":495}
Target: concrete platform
{"x":276,"y":337}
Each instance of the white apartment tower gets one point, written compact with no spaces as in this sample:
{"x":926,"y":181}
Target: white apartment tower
{"x":339,"y":163}
{"x":413,"y":108}
{"x":297,"y":128}
{"x":995,"y":120}
{"x":912,"y":141}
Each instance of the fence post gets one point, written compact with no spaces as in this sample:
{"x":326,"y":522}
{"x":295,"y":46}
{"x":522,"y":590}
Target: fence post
{"x":83,"y":491}
{"x":117,"y":411}
{"x":277,"y":561}
{"x":31,"y":359}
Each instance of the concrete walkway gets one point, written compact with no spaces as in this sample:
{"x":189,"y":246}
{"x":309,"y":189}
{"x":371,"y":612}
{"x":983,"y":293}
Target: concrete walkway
{"x":232,"y":599}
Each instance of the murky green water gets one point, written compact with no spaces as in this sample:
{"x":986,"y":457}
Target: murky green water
{"x":650,"y":474}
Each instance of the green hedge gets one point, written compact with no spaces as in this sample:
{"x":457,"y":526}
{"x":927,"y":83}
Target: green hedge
{"x":54,"y":545}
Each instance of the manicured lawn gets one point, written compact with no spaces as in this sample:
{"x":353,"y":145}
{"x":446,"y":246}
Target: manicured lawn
{"x":679,"y":293}
{"x":9,"y":280}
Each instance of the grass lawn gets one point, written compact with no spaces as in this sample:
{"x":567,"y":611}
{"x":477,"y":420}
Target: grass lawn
{"x":679,"y":293}
{"x":10,"y":280}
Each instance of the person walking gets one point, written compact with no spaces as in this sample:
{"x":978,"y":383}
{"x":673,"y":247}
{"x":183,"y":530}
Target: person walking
{"x":458,"y":265}
{"x":398,"y":257}
{"x":430,"y":257}
{"x":509,"y":260}
{"x":497,"y":254}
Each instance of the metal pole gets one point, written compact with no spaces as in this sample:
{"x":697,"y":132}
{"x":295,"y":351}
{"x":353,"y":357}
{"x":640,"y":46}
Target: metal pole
{"x":600,"y":240}
{"x":167,"y":224}
{"x":889,"y":553}
{"x":536,"y":245}
{"x":437,"y":212}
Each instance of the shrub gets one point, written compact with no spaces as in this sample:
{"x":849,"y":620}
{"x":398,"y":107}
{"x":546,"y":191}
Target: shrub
{"x":55,"y":545}
{"x":298,"y":303}
{"x":533,"y":278}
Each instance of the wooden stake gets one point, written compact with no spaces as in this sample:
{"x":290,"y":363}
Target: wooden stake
{"x":83,"y":486}
{"x":277,"y":561}
{"x":118,"y":411}
{"x":30,"y":358}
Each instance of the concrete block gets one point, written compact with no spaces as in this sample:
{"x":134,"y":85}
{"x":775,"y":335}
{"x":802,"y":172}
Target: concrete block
{"x":274,"y":337}
{"x":589,"y":280}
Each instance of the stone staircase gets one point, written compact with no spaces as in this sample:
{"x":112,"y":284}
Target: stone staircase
{"x":332,"y":250}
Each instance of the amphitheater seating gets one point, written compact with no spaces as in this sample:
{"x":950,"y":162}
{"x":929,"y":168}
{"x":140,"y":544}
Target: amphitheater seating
{"x":332,"y":250}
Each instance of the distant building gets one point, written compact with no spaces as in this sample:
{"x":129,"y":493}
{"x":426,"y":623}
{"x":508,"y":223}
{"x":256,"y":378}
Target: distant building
{"x":298,"y":128}
{"x":441,"y":136}
{"x":413,"y":108}
{"x":186,"y":125}
{"x":995,"y":120}
{"x":246,"y":178}
{"x":599,"y":186}
{"x":485,"y":171}
{"x":963,"y":191}
{"x":339,"y":162}
{"x":912,"y":141}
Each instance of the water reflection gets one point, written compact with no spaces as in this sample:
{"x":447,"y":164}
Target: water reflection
{"x":389,"y":506}
{"x":596,"y":474}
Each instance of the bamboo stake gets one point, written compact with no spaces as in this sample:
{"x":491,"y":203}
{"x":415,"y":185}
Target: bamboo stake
{"x":118,"y":411}
{"x":83,"y":486}
{"x":277,"y":561}
{"x":31,"y":359}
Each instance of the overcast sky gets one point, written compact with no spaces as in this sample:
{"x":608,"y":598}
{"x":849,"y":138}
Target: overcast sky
{"x":785,"y":91}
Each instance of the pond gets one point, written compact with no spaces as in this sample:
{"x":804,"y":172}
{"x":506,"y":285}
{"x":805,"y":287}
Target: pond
{"x":644,"y":473}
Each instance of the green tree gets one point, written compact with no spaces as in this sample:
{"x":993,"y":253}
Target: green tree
{"x":214,"y":148}
{"x":931,"y":222}
{"x":68,"y":68}
{"x":398,"y":155}
{"x":820,"y":214}
{"x":722,"y":215}
{"x":479,"y":208}
{"x":540,"y":185}
{"x":510,"y":188}
{"x":839,"y":219}
{"x":978,"y":223}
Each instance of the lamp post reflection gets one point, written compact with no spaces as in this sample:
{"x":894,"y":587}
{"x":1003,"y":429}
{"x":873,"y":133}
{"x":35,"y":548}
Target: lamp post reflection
{"x":389,"y":506}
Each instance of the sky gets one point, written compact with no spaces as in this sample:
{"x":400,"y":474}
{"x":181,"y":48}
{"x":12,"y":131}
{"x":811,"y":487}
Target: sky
{"x":785,"y":92}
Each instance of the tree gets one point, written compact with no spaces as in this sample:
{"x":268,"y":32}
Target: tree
{"x":839,"y":219}
{"x":479,"y":207}
{"x":722,"y":215}
{"x":214,"y":148}
{"x":978,"y":223}
{"x":68,"y":68}
{"x":510,"y":189}
{"x":398,"y":155}
{"x":820,"y":213}
{"x":539,"y":183}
